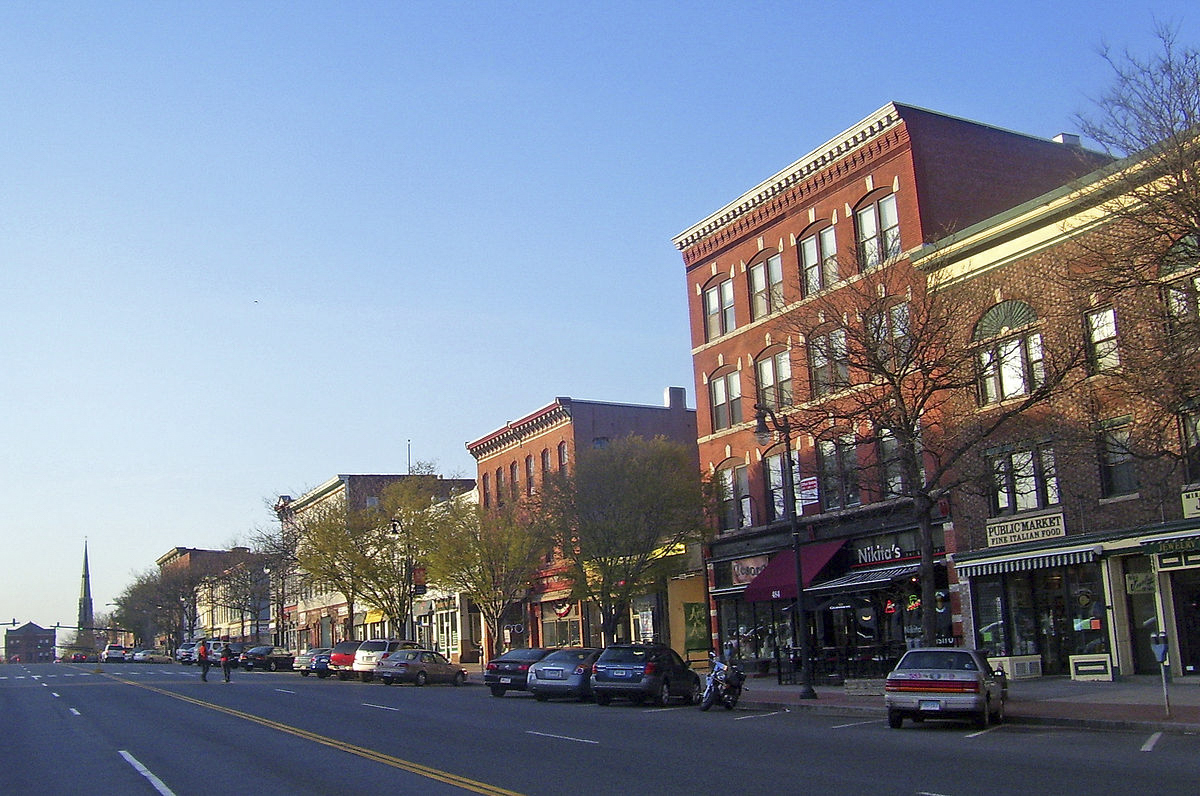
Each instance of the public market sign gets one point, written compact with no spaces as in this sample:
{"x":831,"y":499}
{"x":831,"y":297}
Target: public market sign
{"x":1026,"y":529}
{"x":1191,"y":503}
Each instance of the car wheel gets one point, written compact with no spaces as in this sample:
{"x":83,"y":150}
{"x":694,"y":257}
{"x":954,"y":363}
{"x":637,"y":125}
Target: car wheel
{"x":366,"y":677}
{"x":697,"y":692}
{"x":603,"y":700}
{"x":304,"y":674}
{"x":343,"y":676}
{"x":895,"y":719}
{"x":998,"y":715}
{"x":385,"y":680}
{"x":460,"y":679}
{"x":541,"y":697}
{"x":984,"y":719}
{"x":497,"y":691}
{"x":422,"y":678}
{"x":322,"y":675}
{"x":664,"y":693}
{"x":637,"y":699}
{"x":273,"y":666}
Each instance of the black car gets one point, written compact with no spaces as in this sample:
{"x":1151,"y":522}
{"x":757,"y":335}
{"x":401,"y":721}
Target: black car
{"x":510,"y":671}
{"x":266,"y":657}
{"x":639,"y":672}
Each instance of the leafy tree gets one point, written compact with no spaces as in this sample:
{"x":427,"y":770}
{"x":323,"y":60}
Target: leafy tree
{"x":489,"y":555}
{"x":621,"y":519}
{"x":330,"y":549}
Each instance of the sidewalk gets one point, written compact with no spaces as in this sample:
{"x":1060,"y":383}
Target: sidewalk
{"x":1133,"y":703}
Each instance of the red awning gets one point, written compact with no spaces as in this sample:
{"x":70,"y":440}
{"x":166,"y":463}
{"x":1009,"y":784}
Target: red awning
{"x":777,"y":581}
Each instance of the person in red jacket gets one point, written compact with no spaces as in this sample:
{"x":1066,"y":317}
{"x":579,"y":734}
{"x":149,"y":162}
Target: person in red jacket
{"x":226,"y":661}
{"x":203,"y":660}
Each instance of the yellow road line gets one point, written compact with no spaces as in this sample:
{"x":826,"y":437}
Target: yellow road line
{"x":368,"y":754}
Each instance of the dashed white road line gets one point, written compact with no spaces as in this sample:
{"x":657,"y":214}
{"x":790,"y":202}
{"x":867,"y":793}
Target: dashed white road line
{"x":561,"y":737}
{"x":1148,"y":746}
{"x":54,"y":694}
{"x":759,"y":715}
{"x":381,"y":707}
{"x":284,"y":691}
{"x":157,"y":783}
{"x":853,"y":724}
{"x":74,"y":712}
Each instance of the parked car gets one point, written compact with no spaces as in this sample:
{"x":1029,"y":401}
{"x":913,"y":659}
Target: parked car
{"x":319,"y":664}
{"x":373,"y":650}
{"x":945,"y":683}
{"x":419,"y":667}
{"x":341,"y":660}
{"x":113,"y":653}
{"x":236,"y":648}
{"x":79,"y":657}
{"x":266,"y":657}
{"x":302,"y":661}
{"x":510,"y":671}
{"x":151,"y":656}
{"x":566,"y":672}
{"x":643,"y":671}
{"x":186,"y":654}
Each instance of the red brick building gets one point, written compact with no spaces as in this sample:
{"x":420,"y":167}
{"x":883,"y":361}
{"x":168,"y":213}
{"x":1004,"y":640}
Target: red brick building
{"x":514,"y":460}
{"x":1083,"y":542}
{"x":855,"y":205}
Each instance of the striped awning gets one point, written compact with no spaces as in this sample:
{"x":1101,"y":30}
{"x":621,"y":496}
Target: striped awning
{"x":866,"y":579}
{"x":1022,"y":563}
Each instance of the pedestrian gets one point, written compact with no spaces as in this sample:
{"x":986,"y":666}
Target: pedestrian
{"x":226,"y":661}
{"x":202,"y":658}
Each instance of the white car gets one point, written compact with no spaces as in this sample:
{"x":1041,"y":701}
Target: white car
{"x":151,"y":656}
{"x":113,"y":653}
{"x":374,"y":650}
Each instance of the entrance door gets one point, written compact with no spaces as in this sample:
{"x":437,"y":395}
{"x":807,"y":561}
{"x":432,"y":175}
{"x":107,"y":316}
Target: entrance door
{"x":1186,"y":589}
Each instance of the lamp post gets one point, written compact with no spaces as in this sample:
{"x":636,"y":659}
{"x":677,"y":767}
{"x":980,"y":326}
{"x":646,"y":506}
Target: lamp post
{"x":762,"y":434}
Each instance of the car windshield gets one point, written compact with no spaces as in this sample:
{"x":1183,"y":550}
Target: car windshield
{"x":624,"y":655}
{"x":533,"y":654}
{"x":373,"y":646}
{"x":346,"y":646}
{"x":259,"y":650}
{"x":937,"y":659}
{"x":567,"y":656}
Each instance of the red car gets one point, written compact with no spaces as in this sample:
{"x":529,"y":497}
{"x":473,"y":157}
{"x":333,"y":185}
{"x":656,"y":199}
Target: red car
{"x":341,"y":660}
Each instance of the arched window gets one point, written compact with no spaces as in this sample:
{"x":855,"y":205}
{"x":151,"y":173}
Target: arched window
{"x":562,"y":458}
{"x":877,"y":225}
{"x":818,"y":260}
{"x":487,"y":492}
{"x":1181,"y":293}
{"x":1010,"y":352}
{"x":719,"y":315}
{"x":529,"y":475}
{"x":775,"y":481}
{"x":766,"y":286}
{"x":837,"y":459}
{"x":725,"y":399}
{"x":774,"y":378}
{"x":545,"y":464}
{"x":499,"y":486}
{"x":735,"y":497}
{"x":514,"y":480}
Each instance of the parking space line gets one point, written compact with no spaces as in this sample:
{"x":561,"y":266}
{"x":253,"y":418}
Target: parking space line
{"x":157,"y":783}
{"x":993,"y":728}
{"x":1148,"y":746}
{"x":759,"y":715}
{"x":381,"y":707}
{"x":284,"y":691}
{"x":853,"y":724}
{"x":561,"y":737}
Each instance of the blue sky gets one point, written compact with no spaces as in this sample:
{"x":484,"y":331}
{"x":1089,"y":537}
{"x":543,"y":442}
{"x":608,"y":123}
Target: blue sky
{"x":249,"y":246}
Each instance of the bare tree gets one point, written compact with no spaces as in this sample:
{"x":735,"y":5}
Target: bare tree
{"x":895,"y":371}
{"x":622,"y":519}
{"x":330,"y":551}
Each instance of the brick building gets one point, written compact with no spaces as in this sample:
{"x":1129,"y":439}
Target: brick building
{"x":1087,"y":537}
{"x":29,"y":643}
{"x":514,"y":460}
{"x":852,"y":207}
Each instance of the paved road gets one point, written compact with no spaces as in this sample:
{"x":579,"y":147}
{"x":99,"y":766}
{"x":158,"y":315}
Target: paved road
{"x":146,"y":729}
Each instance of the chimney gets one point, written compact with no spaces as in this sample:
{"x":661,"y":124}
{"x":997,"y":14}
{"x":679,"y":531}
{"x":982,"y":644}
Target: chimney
{"x":1067,"y":139}
{"x":675,"y":398}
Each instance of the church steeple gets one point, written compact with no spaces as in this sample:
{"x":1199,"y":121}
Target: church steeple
{"x":85,"y":596}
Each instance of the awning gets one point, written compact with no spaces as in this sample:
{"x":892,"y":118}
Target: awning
{"x":866,"y":579}
{"x":777,"y":581}
{"x":1058,"y":558}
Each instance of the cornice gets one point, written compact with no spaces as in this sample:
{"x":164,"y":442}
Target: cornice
{"x":516,"y":431}
{"x":781,"y":189}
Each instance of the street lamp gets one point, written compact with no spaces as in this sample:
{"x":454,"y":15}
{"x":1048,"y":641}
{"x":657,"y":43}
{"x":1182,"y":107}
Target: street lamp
{"x":408,"y":583}
{"x":762,"y":434}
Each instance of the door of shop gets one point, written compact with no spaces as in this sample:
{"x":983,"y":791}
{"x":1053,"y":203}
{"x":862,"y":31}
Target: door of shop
{"x":1186,"y":588}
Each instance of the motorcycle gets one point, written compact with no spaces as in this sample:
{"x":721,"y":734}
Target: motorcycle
{"x":724,"y":684}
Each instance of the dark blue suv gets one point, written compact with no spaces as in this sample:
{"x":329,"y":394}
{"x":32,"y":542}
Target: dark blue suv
{"x":639,"y":672}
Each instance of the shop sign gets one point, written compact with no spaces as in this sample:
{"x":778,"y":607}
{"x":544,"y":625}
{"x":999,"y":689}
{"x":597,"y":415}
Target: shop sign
{"x":878,"y":553}
{"x":1026,"y":529}
{"x":1191,"y":503}
{"x":747,"y":569}
{"x":1139,"y":583}
{"x":808,"y":492}
{"x":1186,"y":544}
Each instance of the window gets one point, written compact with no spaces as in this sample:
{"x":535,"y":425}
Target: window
{"x":719,"y":317}
{"x":891,"y":466}
{"x":514,"y":480}
{"x":766,"y":286}
{"x":889,"y":335}
{"x":529,"y":475}
{"x":776,"y":486}
{"x":1023,"y":480}
{"x":838,"y":463}
{"x":818,"y":261}
{"x":487,"y":492}
{"x":545,"y":464}
{"x":878,"y":232}
{"x":1009,"y":364}
{"x":562,"y":458}
{"x":1102,"y":340}
{"x":1190,"y":423}
{"x":830,"y":362}
{"x":726,"y":396}
{"x":499,"y":486}
{"x":735,"y":498}
{"x":1118,"y":474}
{"x":775,"y":379}
{"x":1182,"y":299}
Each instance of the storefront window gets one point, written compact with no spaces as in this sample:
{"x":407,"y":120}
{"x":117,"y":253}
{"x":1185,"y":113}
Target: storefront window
{"x":990,"y":629}
{"x":560,"y":624}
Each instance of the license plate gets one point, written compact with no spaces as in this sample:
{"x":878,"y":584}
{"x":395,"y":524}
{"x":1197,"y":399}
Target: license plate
{"x":620,"y":673}
{"x":552,"y":674}
{"x":929,"y":704}
{"x":505,"y":679}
